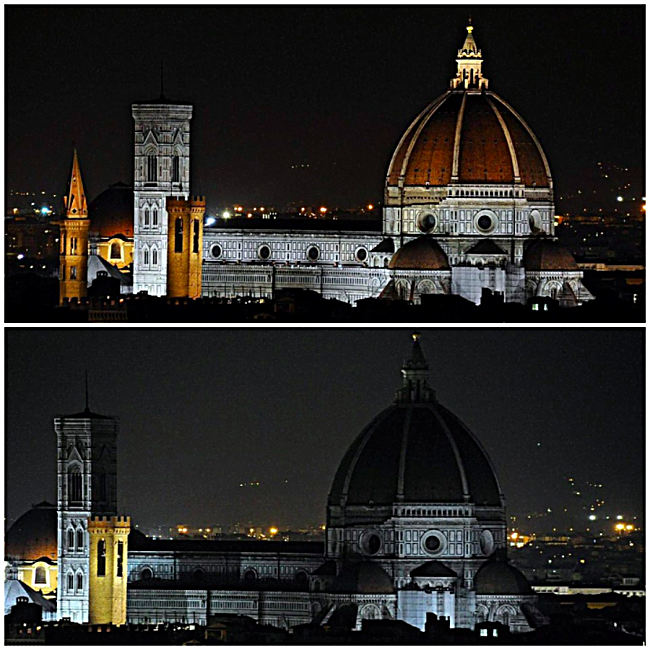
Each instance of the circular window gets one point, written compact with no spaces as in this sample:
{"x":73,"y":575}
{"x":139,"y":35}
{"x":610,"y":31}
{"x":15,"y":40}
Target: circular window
{"x":535,"y":222}
{"x":484,"y":222}
{"x":433,"y":543}
{"x":300,"y":578}
{"x":371,"y":543}
{"x":264,"y":252}
{"x":427,"y":222}
{"x":486,"y":542}
{"x":216,"y":251}
{"x":361,"y":254}
{"x":313,"y":253}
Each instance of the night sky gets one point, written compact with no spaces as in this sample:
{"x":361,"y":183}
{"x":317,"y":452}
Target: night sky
{"x":331,"y":87}
{"x":203,"y":410}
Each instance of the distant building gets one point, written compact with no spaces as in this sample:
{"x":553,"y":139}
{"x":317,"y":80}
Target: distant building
{"x":416,"y":525}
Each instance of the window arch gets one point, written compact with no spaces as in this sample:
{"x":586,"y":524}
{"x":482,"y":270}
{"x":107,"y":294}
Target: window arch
{"x":154,"y":216}
{"x":152,"y":166}
{"x":145,"y":256}
{"x":80,"y":539}
{"x":75,"y":484}
{"x":146,"y":574}
{"x":154,"y":256}
{"x":176,"y":168}
{"x":178,"y":239}
{"x":116,"y":251}
{"x":101,"y":557}
{"x":70,"y":539}
{"x":80,"y":581}
{"x":146,"y":216}
{"x":40,"y":577}
{"x":70,"y":581}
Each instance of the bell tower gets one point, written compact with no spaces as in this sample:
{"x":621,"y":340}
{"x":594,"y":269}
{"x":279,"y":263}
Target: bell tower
{"x":86,"y":487}
{"x":73,"y":247}
{"x":161,"y":170}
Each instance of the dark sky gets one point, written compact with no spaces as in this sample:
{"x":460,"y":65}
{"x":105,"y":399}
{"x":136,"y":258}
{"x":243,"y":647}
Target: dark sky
{"x":203,"y":410}
{"x":333,"y":87}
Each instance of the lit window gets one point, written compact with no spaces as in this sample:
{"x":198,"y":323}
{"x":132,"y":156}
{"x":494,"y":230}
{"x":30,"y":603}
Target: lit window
{"x":40,"y":577}
{"x":484,"y":632}
{"x":116,"y":251}
{"x":73,"y":272}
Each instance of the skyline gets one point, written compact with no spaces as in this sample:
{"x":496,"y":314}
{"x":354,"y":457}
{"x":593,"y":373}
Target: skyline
{"x":329,"y":87}
{"x":275,"y":405}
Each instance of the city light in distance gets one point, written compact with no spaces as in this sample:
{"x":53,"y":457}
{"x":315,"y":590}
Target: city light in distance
{"x":226,"y":215}
{"x":592,"y":517}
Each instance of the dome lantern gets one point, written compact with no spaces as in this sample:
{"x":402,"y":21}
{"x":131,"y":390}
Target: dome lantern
{"x":415,"y":373}
{"x":470,"y":62}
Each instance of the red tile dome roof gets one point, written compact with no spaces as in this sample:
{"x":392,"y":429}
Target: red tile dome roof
{"x":468,"y":137}
{"x":111,"y":212}
{"x":423,"y":253}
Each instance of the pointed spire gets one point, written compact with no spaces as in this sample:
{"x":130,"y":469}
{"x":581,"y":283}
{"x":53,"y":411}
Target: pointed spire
{"x":75,"y":201}
{"x":470,"y":62}
{"x":415,"y":374}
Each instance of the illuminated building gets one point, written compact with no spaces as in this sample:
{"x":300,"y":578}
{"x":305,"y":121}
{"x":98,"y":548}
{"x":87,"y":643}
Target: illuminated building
{"x":415,"y":523}
{"x":161,"y":170}
{"x":468,"y":205}
{"x":73,"y":239}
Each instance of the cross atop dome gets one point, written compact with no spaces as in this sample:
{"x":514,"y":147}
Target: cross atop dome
{"x":415,"y":373}
{"x":470,"y":61}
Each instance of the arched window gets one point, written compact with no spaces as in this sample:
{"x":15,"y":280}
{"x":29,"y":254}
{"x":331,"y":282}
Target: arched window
{"x":40,"y":577}
{"x":154,"y":257}
{"x":80,"y":581}
{"x":154,"y":217}
{"x":145,"y":256}
{"x":74,"y":477}
{"x":101,"y":557}
{"x":146,"y":216}
{"x":71,"y":540}
{"x":80,"y":539}
{"x":70,"y":582}
{"x":178,"y":241}
{"x":116,"y":251}
{"x":146,"y":574}
{"x":195,"y":245}
{"x":120,"y":559}
{"x":152,"y":167}
{"x":176,"y":169}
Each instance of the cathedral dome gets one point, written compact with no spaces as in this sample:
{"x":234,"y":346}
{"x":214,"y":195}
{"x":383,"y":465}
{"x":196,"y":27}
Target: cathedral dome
{"x":549,"y":255}
{"x":468,"y":135}
{"x":111,"y":212}
{"x":33,"y":535}
{"x":415,"y":451}
{"x":498,"y":577}
{"x":423,"y":253}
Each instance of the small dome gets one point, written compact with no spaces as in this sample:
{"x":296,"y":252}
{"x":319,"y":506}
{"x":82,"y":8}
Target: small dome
{"x":549,"y":255}
{"x":111,"y":212}
{"x":497,"y":577}
{"x":433,"y":569}
{"x":33,"y":535}
{"x":423,"y":254}
{"x":363,"y":578}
